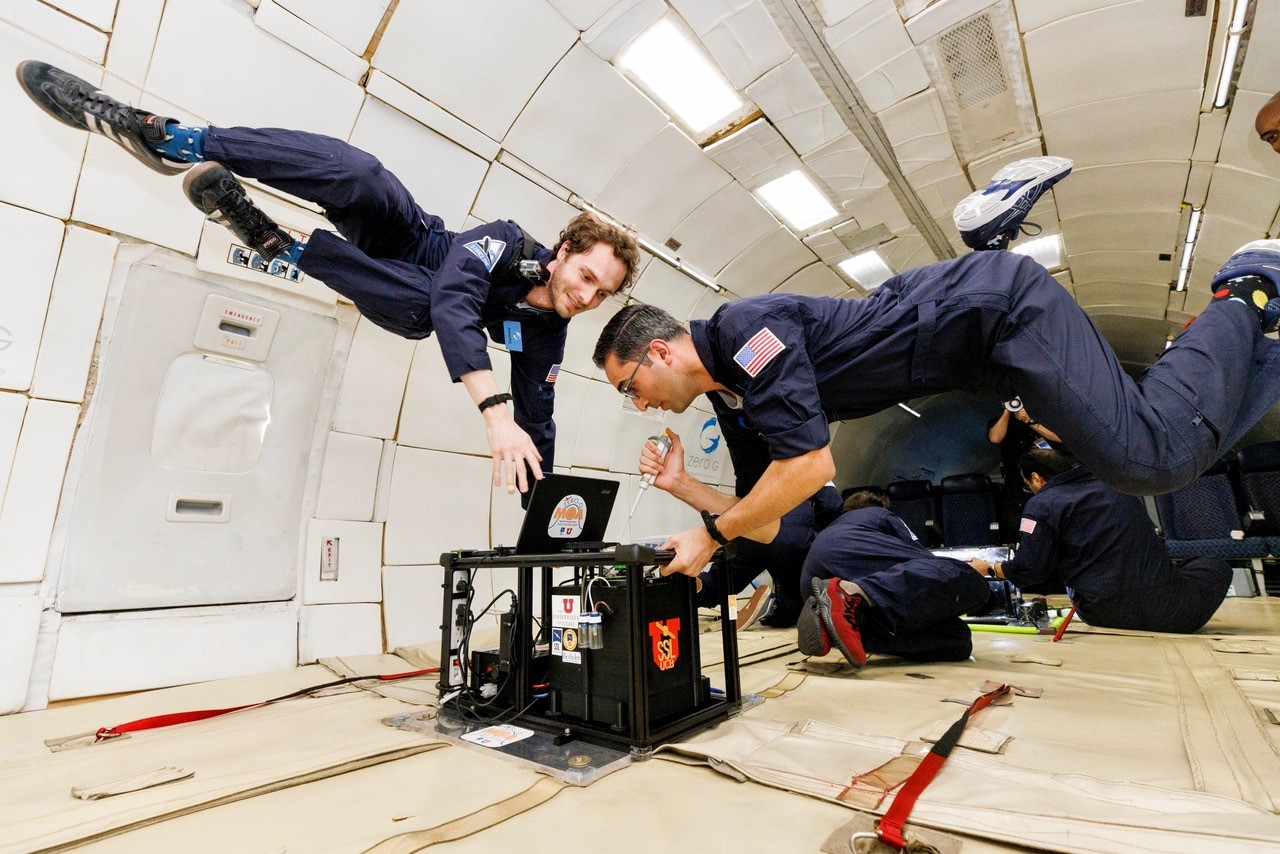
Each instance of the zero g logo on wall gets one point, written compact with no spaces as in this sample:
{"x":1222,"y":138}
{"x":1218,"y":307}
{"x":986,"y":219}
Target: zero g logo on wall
{"x":665,"y":635}
{"x":6,"y":341}
{"x":709,"y":436}
{"x":568,"y":518}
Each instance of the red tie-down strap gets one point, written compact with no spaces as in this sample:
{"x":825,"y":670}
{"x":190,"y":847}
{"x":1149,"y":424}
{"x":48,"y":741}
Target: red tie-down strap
{"x":890,"y":828}
{"x":158,"y":721}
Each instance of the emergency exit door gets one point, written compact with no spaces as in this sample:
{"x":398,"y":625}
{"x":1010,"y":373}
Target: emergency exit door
{"x":196,"y":449}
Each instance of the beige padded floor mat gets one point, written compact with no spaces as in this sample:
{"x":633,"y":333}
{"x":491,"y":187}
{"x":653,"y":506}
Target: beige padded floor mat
{"x":1169,"y":712}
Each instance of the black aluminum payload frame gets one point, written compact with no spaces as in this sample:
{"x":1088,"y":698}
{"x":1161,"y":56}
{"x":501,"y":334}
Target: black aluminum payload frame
{"x":640,"y":733}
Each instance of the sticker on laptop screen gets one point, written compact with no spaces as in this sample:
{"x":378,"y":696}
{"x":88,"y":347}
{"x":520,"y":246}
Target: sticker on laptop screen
{"x":568,"y":518}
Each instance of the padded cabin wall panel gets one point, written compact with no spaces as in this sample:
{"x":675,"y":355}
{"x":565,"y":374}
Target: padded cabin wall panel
{"x":42,"y":156}
{"x":671,"y":161}
{"x":133,"y":37}
{"x":300,"y":35}
{"x":981,"y":170}
{"x":506,"y":46}
{"x":873,"y":47}
{"x":319,"y":99}
{"x":438,"y":413}
{"x":742,"y":37}
{"x":846,"y":166}
{"x":387,"y":89}
{"x":1241,"y":147}
{"x":1153,"y":232}
{"x":571,"y":401}
{"x":609,"y":35}
{"x":1130,"y":267}
{"x":707,"y":305}
{"x":755,"y":155}
{"x":1119,"y":130}
{"x":138,"y":650}
{"x":584,"y":155}
{"x":99,"y":13}
{"x":349,"y":479}
{"x":1154,"y":186}
{"x":665,"y":286}
{"x":815,"y":280}
{"x":941,"y":185}
{"x":19,"y":624}
{"x":506,"y":515}
{"x":343,"y":562}
{"x":601,"y":416}
{"x":584,"y":331}
{"x":439,"y":502}
{"x":24,"y":290}
{"x":917,"y":127}
{"x":205,"y":456}
{"x":374,"y":382}
{"x":877,"y":206}
{"x":508,"y":195}
{"x":797,"y":106}
{"x":412,"y":604}
{"x":763,"y":265}
{"x":582,"y":14}
{"x":1120,"y":60}
{"x":351,"y":23}
{"x":329,"y":631}
{"x":442,"y":176}
{"x":721,"y":228}
{"x":35,"y":484}
{"x":75,"y":311}
{"x":12,"y":408}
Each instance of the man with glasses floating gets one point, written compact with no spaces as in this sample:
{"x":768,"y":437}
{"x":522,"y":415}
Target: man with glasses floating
{"x":995,"y":323}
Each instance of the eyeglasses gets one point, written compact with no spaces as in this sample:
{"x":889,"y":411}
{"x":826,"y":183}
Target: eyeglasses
{"x":626,"y":389}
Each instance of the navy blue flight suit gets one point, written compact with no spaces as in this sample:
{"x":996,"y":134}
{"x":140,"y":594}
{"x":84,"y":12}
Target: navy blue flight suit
{"x":1100,"y":544}
{"x":998,"y":324}
{"x":784,"y":556}
{"x":918,"y":596}
{"x":404,"y":270}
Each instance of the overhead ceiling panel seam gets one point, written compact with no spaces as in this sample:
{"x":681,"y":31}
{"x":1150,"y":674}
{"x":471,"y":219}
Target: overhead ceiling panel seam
{"x":798,"y":21}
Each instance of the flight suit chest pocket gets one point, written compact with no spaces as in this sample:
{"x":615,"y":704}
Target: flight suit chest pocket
{"x":922,"y":355}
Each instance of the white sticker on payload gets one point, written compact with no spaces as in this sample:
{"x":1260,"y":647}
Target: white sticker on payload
{"x":498,"y":735}
{"x":564,"y":611}
{"x":572,"y":658}
{"x":568,"y":518}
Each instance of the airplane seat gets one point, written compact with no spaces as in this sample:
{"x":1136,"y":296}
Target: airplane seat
{"x":914,"y":502}
{"x":1198,"y":519}
{"x":1259,"y":468}
{"x":968,"y":511}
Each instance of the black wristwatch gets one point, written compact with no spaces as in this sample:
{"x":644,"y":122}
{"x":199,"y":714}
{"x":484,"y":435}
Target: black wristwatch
{"x":709,"y":520}
{"x":493,"y":400}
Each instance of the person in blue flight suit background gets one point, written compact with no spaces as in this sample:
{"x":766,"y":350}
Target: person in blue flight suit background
{"x":875,"y":588}
{"x":1100,"y":545}
{"x":403,"y":269}
{"x":995,"y":323}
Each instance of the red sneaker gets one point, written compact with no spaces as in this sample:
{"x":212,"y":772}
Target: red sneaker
{"x":839,"y":612}
{"x":811,"y":636}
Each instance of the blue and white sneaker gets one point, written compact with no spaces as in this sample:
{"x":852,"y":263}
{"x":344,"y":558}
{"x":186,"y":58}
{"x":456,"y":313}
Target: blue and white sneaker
{"x":992,"y":217}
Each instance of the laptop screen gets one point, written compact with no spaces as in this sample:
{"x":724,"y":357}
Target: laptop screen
{"x":565,"y":510}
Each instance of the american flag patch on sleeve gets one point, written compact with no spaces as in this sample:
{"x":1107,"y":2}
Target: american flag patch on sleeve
{"x":759,"y":351}
{"x":1027,"y":526}
{"x":552,"y":374}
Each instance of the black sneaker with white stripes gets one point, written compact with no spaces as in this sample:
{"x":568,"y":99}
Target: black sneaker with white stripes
{"x":82,"y":105}
{"x":213,"y":189}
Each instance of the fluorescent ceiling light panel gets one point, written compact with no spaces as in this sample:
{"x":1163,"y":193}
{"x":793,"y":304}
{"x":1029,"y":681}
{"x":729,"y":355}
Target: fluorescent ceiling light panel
{"x":797,"y":200}
{"x":1188,"y":248}
{"x":867,"y":269}
{"x":1229,"y":55}
{"x":1046,"y":250}
{"x":679,"y":75}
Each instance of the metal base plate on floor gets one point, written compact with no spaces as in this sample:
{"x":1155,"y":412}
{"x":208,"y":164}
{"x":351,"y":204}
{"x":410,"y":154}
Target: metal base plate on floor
{"x":578,"y":763}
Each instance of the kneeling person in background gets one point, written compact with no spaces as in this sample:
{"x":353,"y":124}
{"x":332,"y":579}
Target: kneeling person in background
{"x":876,"y":589}
{"x":1100,"y":544}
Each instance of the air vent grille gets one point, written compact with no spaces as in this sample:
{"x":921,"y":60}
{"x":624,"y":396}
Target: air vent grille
{"x":972,"y":60}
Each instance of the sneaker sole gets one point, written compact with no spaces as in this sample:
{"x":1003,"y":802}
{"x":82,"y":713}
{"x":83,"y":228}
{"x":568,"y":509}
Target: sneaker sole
{"x":756,"y":607}
{"x":980,"y":209}
{"x":28,"y":71}
{"x":811,"y":637}
{"x":824,"y":610}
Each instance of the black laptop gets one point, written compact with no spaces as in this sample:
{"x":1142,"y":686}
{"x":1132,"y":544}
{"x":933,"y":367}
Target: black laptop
{"x":566,"y":512}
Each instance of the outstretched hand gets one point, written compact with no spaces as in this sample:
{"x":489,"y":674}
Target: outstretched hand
{"x":693,"y":549}
{"x":513,"y":450}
